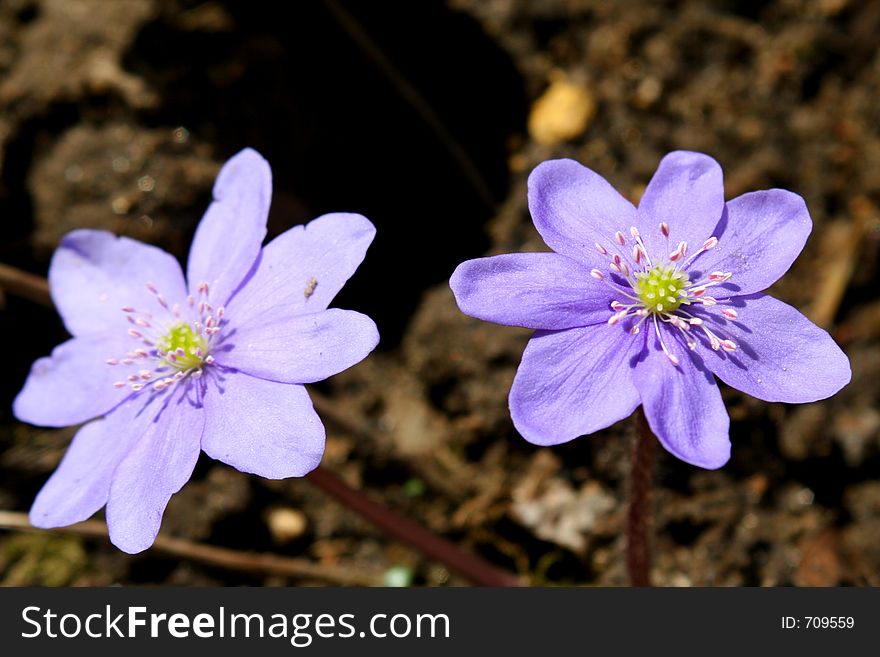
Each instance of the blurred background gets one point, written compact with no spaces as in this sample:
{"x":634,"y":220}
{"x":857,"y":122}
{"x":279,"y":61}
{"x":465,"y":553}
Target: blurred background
{"x":427,"y":117}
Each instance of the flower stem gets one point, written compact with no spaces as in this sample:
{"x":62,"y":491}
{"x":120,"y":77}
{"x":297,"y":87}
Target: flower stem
{"x":478,"y":571}
{"x":638,"y":548}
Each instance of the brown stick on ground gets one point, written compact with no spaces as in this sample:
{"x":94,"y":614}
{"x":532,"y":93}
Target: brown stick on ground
{"x":24,"y":284}
{"x":245,"y":562}
{"x":638,"y":520}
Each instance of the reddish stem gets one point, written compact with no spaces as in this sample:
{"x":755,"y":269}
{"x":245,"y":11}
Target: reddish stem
{"x":638,"y":520}
{"x":474,"y":568}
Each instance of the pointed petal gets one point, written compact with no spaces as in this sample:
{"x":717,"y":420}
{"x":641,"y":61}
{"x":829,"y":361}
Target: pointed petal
{"x":94,"y":274}
{"x":574,"y":382}
{"x":262,"y":427}
{"x":301,"y":348}
{"x":79,"y":487}
{"x":75,"y":383}
{"x":302,"y":269}
{"x":228,"y":240}
{"x":781,"y":356}
{"x":683,"y":405}
{"x":686,"y":193}
{"x":534,"y":290}
{"x":573,"y":208}
{"x":158,"y":465}
{"x":759,"y":238}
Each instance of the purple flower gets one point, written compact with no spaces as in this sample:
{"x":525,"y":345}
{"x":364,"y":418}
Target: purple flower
{"x":644,"y":305}
{"x":216,"y":362}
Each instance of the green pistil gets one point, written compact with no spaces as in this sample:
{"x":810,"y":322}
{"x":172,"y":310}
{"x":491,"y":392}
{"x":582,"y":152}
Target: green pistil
{"x":181,"y":336}
{"x":659,"y":289}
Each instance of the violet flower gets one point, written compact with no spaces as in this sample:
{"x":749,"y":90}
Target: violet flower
{"x":642,"y":306}
{"x":214,"y":363}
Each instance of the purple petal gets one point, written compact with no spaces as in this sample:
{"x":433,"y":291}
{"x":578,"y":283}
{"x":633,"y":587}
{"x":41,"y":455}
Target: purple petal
{"x":162,"y":461}
{"x":75,"y":383}
{"x":758,"y":240}
{"x":683,"y":404}
{"x":686,"y":193}
{"x":302,"y":269}
{"x":781,"y":356}
{"x":573,"y":208}
{"x":299,"y":348}
{"x":227,"y":242}
{"x":262,"y":427}
{"x":79,"y":487}
{"x":534,"y":290}
{"x":94,"y":274}
{"x":574,"y":382}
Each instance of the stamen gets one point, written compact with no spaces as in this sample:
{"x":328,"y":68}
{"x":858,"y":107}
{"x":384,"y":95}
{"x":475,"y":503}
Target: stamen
{"x":618,"y":236}
{"x":728,"y":345}
{"x":595,"y":273}
{"x":664,"y":228}
{"x":112,"y":361}
{"x":710,"y":243}
{"x":601,"y":249}
{"x":729,"y":313}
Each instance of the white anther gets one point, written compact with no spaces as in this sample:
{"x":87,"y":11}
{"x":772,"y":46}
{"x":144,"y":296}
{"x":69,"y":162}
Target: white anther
{"x":672,"y":359}
{"x":161,"y":301}
{"x":137,"y":387}
{"x":601,"y":249}
{"x":135,"y":334}
{"x":190,"y":301}
{"x":132,"y":377}
{"x":126,"y":361}
{"x":634,"y":232}
{"x":220,"y":312}
{"x":176,"y":310}
{"x":599,"y":276}
{"x":127,"y":309}
{"x":151,"y":288}
{"x":710,"y":243}
{"x":697,"y":291}
{"x":708,"y":301}
{"x":181,"y":352}
{"x":664,"y":228}
{"x":209,"y":359}
{"x":619,"y":238}
{"x":112,"y":361}
{"x":616,"y":305}
{"x":120,"y":384}
{"x":728,"y":345}
{"x":729,"y":313}
{"x":634,"y":330}
{"x":197,"y":374}
{"x":695,"y":321}
{"x":142,"y":322}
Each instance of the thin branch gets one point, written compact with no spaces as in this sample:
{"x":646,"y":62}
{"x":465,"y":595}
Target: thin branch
{"x":26,"y":285}
{"x":244,"y":562}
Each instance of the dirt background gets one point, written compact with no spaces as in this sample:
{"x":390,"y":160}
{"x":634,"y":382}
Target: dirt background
{"x":427,"y":117}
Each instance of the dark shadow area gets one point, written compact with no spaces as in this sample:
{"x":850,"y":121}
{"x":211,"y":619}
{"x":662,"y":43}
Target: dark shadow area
{"x":290,"y":81}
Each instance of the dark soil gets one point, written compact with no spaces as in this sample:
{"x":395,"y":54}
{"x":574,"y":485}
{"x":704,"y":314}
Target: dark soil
{"x":424,"y":116}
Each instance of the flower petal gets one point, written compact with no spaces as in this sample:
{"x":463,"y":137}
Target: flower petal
{"x":262,"y":427}
{"x":228,"y":240}
{"x":534,"y":290}
{"x":573,"y":208}
{"x":686,"y":193}
{"x":159,"y":464}
{"x":574,"y":382}
{"x":759,"y":238}
{"x":75,"y":383}
{"x":781,"y":356}
{"x":683,"y":405}
{"x":302,"y":269}
{"x":299,"y":348}
{"x":79,"y":487}
{"x":94,"y":273}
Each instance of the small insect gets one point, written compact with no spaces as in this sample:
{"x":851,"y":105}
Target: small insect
{"x":310,"y":287}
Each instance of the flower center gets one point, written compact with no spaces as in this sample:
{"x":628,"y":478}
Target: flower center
{"x":661,"y":288}
{"x":169,"y":347}
{"x":655,"y":290}
{"x":188,"y":346}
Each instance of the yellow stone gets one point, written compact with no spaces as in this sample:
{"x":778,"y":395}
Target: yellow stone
{"x":562,"y":113}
